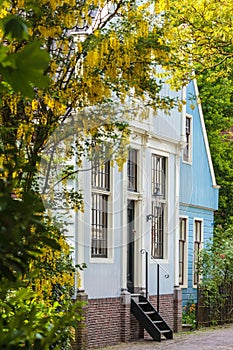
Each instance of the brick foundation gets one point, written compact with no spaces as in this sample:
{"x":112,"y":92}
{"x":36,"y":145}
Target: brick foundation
{"x":104,"y":322}
{"x":177,"y":310}
{"x":109,"y":321}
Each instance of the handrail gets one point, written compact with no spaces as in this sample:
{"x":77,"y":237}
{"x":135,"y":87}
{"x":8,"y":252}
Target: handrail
{"x":144,"y":251}
{"x":166,"y":272}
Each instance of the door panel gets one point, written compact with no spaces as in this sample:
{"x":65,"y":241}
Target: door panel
{"x":130,"y":246}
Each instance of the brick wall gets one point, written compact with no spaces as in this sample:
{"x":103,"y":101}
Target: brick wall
{"x":177,"y":310}
{"x":104,"y":322}
{"x":109,"y":321}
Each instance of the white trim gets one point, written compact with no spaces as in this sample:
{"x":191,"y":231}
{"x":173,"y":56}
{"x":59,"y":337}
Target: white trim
{"x":185,"y":284}
{"x":214,"y":184}
{"x":198,"y":206}
{"x":202,"y":241}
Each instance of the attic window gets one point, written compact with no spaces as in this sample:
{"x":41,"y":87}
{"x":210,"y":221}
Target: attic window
{"x":188,"y":133}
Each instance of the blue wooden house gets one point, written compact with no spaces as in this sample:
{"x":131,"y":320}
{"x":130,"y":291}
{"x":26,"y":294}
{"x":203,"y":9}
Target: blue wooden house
{"x":198,"y":196}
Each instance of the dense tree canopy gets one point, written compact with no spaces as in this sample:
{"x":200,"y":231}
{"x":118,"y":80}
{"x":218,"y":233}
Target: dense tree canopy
{"x":199,"y":33}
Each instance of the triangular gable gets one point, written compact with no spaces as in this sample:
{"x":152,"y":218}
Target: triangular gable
{"x":204,"y":134}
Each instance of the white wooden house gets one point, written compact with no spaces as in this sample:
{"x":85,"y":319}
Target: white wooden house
{"x":128,"y":235}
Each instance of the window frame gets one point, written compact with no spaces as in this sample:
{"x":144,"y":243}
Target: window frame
{"x":187,"y":151}
{"x":132,"y":170}
{"x":199,"y":244}
{"x":157,"y":236}
{"x":184,"y":262}
{"x":100,"y":194}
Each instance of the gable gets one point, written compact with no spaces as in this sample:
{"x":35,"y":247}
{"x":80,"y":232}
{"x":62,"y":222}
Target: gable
{"x":197,"y":179}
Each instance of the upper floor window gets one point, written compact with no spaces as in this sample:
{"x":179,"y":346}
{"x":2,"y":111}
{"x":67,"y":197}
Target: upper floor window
{"x":188,"y":133}
{"x":100,"y":175}
{"x":198,"y":235}
{"x":132,"y":170}
{"x":182,"y":250}
{"x":100,"y":201}
{"x":158,"y":174}
{"x":158,"y":185}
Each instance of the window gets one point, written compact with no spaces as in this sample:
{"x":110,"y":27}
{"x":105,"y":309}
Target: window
{"x":100,"y":175}
{"x":132,"y":170}
{"x":197,"y":248}
{"x":182,"y":250}
{"x":158,"y":184}
{"x":187,"y":149}
{"x":99,"y":219}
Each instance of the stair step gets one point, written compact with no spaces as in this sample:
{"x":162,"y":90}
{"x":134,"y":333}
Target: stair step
{"x":165,"y":331}
{"x":150,"y":319}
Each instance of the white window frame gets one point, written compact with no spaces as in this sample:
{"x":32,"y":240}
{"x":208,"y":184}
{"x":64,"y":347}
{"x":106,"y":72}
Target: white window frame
{"x":185,"y":262}
{"x":109,"y":231}
{"x":188,"y":160}
{"x":200,"y":247}
{"x":132,"y":165}
{"x":163,"y":202}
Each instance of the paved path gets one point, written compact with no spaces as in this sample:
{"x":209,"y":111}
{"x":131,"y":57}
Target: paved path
{"x":208,"y":339}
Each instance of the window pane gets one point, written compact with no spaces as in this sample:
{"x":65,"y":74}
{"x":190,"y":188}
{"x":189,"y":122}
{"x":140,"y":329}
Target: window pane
{"x":197,"y":248}
{"x":100,"y":175}
{"x":158,"y":177}
{"x":182,"y":247}
{"x":100,"y":180}
{"x":157,"y":234}
{"x":132,"y":170}
{"x":186,"y":151}
{"x":158,"y":174}
{"x":99,"y":225}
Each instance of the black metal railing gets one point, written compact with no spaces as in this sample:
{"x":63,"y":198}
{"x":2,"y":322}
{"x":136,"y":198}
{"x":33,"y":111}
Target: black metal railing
{"x":159,"y":267}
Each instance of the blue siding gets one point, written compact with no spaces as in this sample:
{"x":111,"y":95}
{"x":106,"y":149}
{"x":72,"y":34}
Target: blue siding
{"x":198,"y":197}
{"x":195,"y":179}
{"x":189,"y":294}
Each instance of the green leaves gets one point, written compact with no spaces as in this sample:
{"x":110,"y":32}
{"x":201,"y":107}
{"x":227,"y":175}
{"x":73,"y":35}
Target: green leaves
{"x":15,"y":28}
{"x":25,"y":69}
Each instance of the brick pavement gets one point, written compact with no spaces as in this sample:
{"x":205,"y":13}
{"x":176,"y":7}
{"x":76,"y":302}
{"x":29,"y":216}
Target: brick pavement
{"x":219,"y":338}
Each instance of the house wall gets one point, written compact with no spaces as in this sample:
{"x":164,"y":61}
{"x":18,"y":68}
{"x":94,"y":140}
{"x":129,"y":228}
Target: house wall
{"x":189,"y":294}
{"x":108,"y":319}
{"x":198,"y":189}
{"x":197,"y":185}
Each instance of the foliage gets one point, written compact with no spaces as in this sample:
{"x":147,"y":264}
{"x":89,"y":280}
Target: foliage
{"x":216,"y":270}
{"x":189,"y":314}
{"x":38,"y":311}
{"x":20,"y":69}
{"x":199,"y":36}
{"x":217,"y":103}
